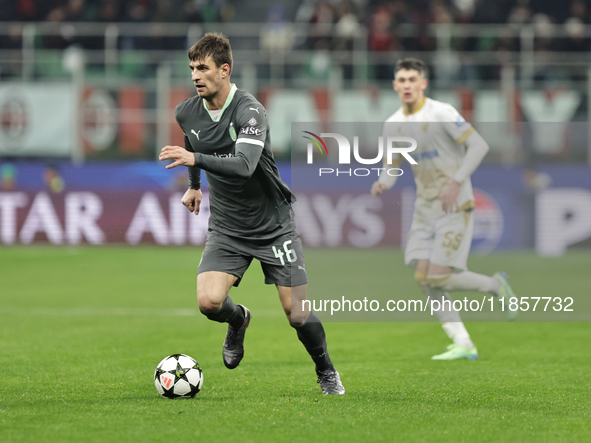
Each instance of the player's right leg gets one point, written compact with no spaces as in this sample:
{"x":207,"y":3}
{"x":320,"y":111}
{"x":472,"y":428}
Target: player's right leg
{"x":419,"y":248}
{"x":222,"y":265}
{"x":216,"y":304}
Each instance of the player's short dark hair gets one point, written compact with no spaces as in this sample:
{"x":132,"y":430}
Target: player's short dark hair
{"x":214,"y":45}
{"x":411,"y":63}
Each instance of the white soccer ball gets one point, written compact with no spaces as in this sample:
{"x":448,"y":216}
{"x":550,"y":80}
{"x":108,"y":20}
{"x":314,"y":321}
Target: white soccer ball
{"x":177,"y":376}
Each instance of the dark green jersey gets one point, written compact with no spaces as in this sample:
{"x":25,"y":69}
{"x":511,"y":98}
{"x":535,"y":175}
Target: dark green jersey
{"x":247,"y":198}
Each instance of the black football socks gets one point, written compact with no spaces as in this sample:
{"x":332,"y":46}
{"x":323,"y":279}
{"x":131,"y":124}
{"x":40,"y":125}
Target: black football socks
{"x":228,"y":313}
{"x":312,"y":336}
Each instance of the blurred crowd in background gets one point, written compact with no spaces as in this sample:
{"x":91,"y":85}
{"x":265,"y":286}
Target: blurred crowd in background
{"x":333,"y":23}
{"x":344,"y":44}
{"x":131,"y":11}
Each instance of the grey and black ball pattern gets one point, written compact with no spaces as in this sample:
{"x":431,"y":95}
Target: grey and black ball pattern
{"x":178,"y":376}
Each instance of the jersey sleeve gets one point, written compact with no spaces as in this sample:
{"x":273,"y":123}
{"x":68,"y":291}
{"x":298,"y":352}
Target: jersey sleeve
{"x":391,"y":129}
{"x":242,"y":164}
{"x":194,"y":171}
{"x":252,"y":125}
{"x":477,"y":149}
{"x":454,"y":124}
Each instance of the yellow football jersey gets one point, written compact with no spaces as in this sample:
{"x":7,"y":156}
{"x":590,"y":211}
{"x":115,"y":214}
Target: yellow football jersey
{"x":440,"y":132}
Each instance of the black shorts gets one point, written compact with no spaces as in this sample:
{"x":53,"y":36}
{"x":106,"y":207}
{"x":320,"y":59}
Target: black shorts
{"x":282,"y":258}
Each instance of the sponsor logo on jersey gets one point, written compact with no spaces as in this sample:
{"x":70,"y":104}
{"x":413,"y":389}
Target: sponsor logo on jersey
{"x":196,"y":133}
{"x":460,"y":121}
{"x":232,"y":131}
{"x":224,"y":155}
{"x":425,"y":155}
{"x":251,"y":131}
{"x":252,"y":121}
{"x":254,"y":109}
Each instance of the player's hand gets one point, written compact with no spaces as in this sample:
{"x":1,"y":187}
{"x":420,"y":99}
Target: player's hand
{"x":449,"y":197}
{"x":192,"y":200}
{"x":377,"y":189}
{"x":180,"y":156}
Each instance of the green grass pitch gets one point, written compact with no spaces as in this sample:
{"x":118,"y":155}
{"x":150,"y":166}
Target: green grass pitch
{"x":82,"y":330}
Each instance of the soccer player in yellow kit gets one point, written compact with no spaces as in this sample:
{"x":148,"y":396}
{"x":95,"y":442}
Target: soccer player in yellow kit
{"x":448,"y":151}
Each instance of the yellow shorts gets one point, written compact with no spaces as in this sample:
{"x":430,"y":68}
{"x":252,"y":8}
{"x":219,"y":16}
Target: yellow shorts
{"x":443,"y":239}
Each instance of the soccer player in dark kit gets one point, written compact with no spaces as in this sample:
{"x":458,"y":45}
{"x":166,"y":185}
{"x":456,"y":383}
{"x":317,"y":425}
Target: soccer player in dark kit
{"x":227,"y":136}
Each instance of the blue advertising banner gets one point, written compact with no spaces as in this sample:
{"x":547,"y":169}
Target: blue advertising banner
{"x":548,"y":209}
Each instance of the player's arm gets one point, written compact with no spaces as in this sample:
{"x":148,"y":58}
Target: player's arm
{"x":245,"y":160}
{"x":194,"y":171}
{"x":387,"y":179}
{"x":193,"y":196}
{"x":477,"y":148}
{"x":243,"y":164}
{"x":464,"y":134}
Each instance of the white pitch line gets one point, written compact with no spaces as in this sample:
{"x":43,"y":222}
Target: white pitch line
{"x":137,"y":312}
{"x":101,"y":311}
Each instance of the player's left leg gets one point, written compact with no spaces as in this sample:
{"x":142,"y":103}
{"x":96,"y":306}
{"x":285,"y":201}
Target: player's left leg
{"x":451,"y":322}
{"x":498,"y":285}
{"x":445,"y":278}
{"x":282,"y":260}
{"x":419,"y":248}
{"x":311,"y":333}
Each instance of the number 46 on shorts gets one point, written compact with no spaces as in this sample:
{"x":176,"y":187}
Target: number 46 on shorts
{"x":289,"y":254}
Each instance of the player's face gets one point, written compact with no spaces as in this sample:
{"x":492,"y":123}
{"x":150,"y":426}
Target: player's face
{"x":208,"y":77}
{"x":410,"y":85}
